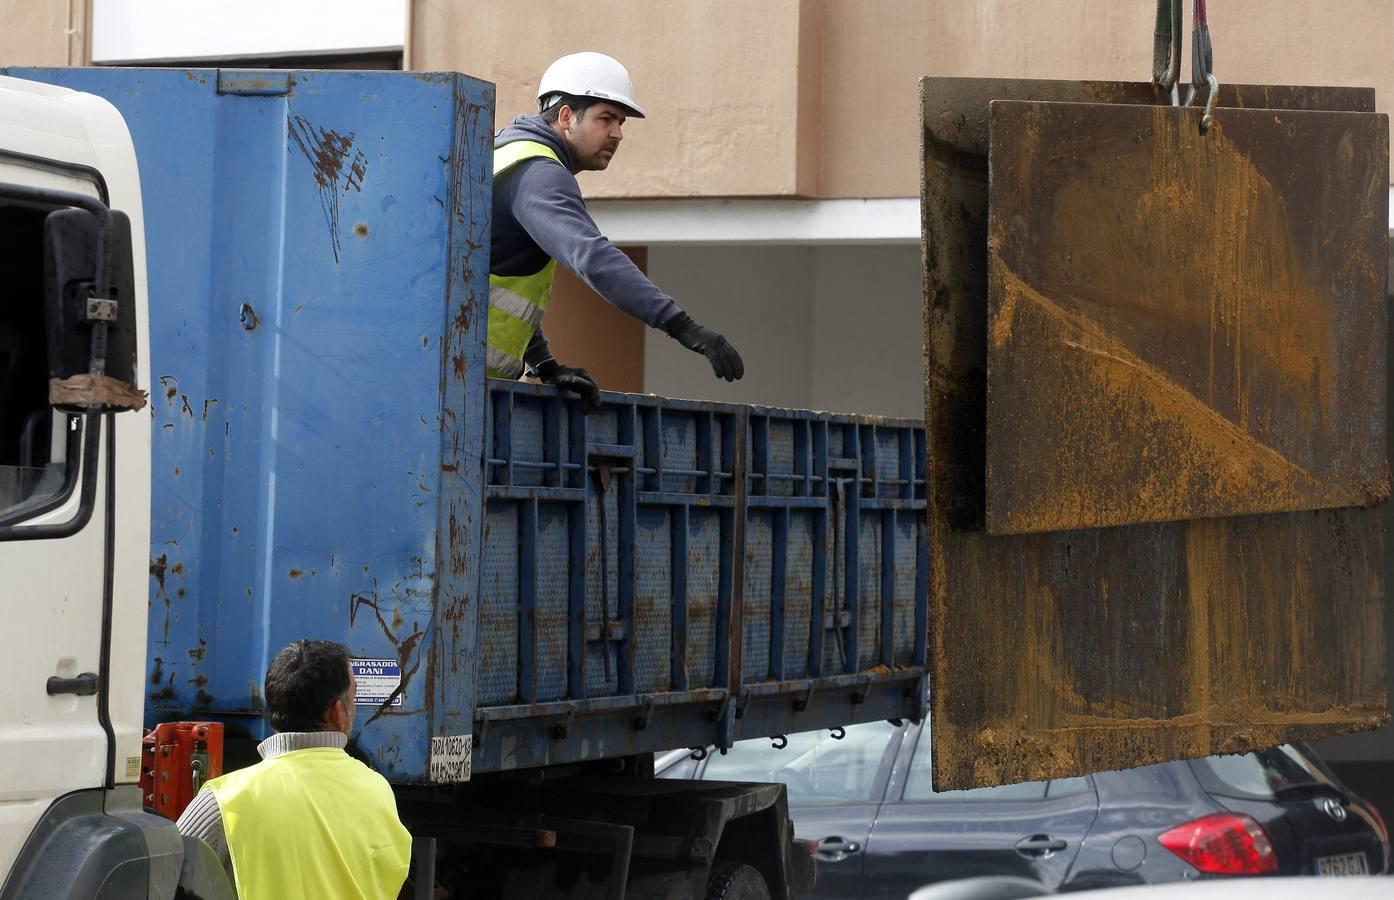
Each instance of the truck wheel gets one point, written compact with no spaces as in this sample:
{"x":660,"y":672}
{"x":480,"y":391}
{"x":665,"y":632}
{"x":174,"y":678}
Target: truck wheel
{"x":734,"y":881}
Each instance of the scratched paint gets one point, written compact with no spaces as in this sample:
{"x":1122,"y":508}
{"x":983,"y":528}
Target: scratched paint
{"x":1061,"y":653}
{"x":333,"y":159}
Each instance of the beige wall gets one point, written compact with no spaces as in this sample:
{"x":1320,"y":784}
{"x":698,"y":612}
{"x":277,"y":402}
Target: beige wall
{"x":721,"y":77}
{"x":812,"y":98}
{"x":818,"y":97}
{"x":36,"y":32}
{"x":882,"y":47}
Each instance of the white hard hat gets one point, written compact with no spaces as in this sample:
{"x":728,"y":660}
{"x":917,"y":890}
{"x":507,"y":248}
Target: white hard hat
{"x":589,"y":74}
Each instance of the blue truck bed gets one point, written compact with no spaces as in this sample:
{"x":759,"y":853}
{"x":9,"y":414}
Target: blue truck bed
{"x":520,"y":585}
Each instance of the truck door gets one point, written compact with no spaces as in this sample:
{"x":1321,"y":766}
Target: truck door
{"x":55,"y":735}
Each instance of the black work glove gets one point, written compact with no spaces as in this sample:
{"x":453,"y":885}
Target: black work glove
{"x":577,"y":381}
{"x":726,"y":362}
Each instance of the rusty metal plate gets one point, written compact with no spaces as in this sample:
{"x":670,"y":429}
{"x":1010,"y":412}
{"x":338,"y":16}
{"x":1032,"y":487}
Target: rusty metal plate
{"x":1206,"y":319}
{"x":1066,"y":653}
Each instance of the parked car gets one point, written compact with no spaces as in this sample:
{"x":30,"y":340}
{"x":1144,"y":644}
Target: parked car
{"x":882,"y":831}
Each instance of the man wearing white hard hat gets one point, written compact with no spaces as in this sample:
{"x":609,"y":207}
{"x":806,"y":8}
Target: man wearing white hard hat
{"x":540,"y":220}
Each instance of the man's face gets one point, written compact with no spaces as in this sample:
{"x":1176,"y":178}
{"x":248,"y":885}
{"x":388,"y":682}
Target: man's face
{"x":593,"y":137}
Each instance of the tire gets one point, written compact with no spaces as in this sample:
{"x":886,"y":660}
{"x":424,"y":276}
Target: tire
{"x":734,"y":881}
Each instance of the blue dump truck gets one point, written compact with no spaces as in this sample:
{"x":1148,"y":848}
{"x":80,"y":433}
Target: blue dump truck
{"x":536,"y":600}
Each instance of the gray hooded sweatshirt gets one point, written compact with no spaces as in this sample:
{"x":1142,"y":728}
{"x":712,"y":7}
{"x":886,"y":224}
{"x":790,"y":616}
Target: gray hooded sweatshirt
{"x":539,"y":215}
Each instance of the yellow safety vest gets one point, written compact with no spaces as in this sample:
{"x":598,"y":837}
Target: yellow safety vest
{"x":516,"y":302}
{"x":313,"y":823}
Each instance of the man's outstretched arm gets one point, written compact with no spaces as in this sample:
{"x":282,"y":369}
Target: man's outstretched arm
{"x":547,"y":203}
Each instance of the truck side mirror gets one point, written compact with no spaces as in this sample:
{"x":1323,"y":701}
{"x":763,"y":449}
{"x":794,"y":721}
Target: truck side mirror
{"x":73,"y":255}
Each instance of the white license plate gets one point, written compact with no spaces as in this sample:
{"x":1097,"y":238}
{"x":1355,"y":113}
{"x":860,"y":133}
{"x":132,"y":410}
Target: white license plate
{"x":1345,"y":864}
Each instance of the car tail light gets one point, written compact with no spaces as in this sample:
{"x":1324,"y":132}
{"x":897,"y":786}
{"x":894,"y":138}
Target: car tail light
{"x":1223,"y":844}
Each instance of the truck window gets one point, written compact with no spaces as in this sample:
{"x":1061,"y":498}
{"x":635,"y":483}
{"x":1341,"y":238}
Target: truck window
{"x":37,"y":443}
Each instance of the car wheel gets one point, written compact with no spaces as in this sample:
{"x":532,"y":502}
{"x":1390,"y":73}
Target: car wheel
{"x":733,"y":881}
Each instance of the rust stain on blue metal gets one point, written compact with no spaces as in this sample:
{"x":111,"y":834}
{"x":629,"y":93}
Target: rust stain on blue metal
{"x":466,"y":167}
{"x":332,"y":156}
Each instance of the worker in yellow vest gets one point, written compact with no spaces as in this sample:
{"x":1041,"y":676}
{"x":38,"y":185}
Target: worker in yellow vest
{"x":308,"y":820}
{"x":540,"y":220}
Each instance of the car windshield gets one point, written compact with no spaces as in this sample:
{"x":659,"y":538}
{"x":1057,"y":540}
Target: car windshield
{"x":1267,"y":774}
{"x":816,"y":768}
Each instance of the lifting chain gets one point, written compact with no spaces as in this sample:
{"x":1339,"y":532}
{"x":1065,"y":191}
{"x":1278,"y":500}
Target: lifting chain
{"x":1166,"y":57}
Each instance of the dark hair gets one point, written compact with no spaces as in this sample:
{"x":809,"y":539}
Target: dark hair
{"x":578,"y":105}
{"x":303,"y":681}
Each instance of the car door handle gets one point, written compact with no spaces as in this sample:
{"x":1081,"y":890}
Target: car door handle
{"x":1040,"y":845}
{"x":84,"y":685}
{"x":836,"y":846}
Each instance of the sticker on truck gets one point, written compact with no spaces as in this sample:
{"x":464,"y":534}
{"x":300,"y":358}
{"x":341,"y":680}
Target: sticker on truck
{"x":377,"y":680}
{"x":450,"y":758}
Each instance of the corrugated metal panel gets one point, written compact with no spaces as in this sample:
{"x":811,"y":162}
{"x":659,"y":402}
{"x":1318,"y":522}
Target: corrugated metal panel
{"x":1076,"y":651}
{"x":670,"y":516}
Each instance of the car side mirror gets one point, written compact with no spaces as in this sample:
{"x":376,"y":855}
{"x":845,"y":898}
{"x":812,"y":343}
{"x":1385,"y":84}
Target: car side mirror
{"x":90,"y":298}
